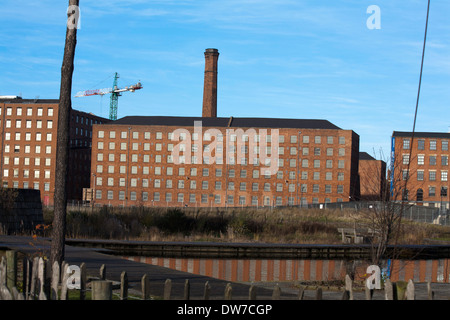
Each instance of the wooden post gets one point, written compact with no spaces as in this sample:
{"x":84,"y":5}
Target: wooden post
{"x":145,"y":287}
{"x":64,"y":278}
{"x":319,"y":294}
{"x":301,"y":292}
{"x":123,"y":286}
{"x":349,"y":286}
{"x":206,"y":291}
{"x":410,"y":293}
{"x":187,"y":289}
{"x":83,"y":280}
{"x":252,"y":293}
{"x":101,"y":290}
{"x":26,"y":277}
{"x":41,"y":275}
{"x":11,"y":269}
{"x":34,"y":276}
{"x":167,"y":289}
{"x":103,"y":272}
{"x":388,"y":290}
{"x":228,"y":291}
{"x":430,"y":291}
{"x":55,"y":281}
{"x":3,"y":271}
{"x":276,"y":294}
{"x":368,"y":292}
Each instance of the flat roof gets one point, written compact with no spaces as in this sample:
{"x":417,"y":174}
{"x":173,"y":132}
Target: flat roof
{"x":422,"y":134}
{"x":227,"y":122}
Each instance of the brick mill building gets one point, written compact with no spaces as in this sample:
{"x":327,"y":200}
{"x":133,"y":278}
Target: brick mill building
{"x":222,"y":161}
{"x":422,"y":161}
{"x":28,"y":146}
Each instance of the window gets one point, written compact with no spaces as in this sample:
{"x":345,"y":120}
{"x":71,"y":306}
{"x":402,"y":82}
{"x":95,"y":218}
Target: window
{"x":432,"y":160}
{"x":444,"y":175}
{"x":317,"y":139}
{"x":421,"y":144}
{"x":432,"y":175}
{"x":419,"y":175}
{"x":431,"y":191}
{"x":444,"y":160}
{"x":445,"y":145}
{"x":406,"y":144}
{"x":432,"y":144}
{"x":293,"y":139}
{"x":420,"y":159}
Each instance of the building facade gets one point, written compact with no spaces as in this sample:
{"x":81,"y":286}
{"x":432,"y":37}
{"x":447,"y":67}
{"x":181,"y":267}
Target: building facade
{"x":221,"y":162}
{"x":28,"y":129}
{"x":372,"y":175}
{"x":419,"y":168}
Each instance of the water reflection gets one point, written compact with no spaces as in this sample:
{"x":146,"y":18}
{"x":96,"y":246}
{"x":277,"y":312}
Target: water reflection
{"x":248,"y":270}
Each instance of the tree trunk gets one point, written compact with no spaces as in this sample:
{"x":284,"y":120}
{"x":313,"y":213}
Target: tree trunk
{"x":62,"y":146}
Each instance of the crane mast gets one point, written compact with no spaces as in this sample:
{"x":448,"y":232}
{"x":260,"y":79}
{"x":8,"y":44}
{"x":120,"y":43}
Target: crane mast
{"x":115,"y":94}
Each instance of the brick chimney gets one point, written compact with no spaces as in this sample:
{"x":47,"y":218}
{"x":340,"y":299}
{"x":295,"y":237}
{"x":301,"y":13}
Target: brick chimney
{"x":210,"y":85}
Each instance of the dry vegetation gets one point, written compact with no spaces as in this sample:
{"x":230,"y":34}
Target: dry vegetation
{"x":284,"y":225}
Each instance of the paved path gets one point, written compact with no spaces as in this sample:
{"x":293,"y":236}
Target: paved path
{"x":95,"y":258}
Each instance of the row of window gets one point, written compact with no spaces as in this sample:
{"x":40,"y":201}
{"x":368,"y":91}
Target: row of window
{"x":28,"y":136}
{"x":26,"y":173}
{"x":26,"y":161}
{"x":209,"y":199}
{"x":432,"y":159}
{"x":432,"y":175}
{"x":29,"y":111}
{"x":421,"y":144}
{"x":207,"y":137}
{"x":28,"y":124}
{"x":432,"y":192}
{"x":27,"y":149}
{"x":218,"y":149}
{"x":26,"y":185}
{"x":218,"y":185}
{"x":292,"y":163}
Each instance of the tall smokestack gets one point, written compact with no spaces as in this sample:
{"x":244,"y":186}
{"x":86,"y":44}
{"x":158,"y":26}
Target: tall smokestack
{"x":210,"y":85}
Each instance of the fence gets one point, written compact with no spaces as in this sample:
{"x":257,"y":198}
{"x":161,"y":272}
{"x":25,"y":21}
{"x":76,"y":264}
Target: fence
{"x":36,"y":284}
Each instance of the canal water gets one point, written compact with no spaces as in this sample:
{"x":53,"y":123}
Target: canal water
{"x":249,"y":270}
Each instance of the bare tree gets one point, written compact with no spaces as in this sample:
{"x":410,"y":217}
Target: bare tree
{"x":384,"y":216}
{"x":62,"y":147}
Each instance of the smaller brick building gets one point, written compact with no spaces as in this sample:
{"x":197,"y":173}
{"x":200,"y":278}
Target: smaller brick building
{"x":372,"y":175}
{"x":420,"y":165}
{"x":28,"y":129}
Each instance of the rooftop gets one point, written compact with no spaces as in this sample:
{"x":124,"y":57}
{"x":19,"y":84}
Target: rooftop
{"x":422,"y":134}
{"x":227,"y":122}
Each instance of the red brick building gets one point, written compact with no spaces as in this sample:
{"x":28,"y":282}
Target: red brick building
{"x":208,"y":161}
{"x":422,"y":162}
{"x":372,"y":175}
{"x":28,"y":146}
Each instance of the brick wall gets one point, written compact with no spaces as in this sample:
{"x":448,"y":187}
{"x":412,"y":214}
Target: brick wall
{"x":132,"y":165}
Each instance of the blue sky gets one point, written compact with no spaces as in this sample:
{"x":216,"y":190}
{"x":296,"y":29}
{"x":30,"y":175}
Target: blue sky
{"x":312,"y":59}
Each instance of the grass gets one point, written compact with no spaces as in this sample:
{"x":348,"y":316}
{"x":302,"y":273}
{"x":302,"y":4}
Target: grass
{"x":278,"y":225}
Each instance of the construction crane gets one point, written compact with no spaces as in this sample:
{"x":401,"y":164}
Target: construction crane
{"x":115,"y":94}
